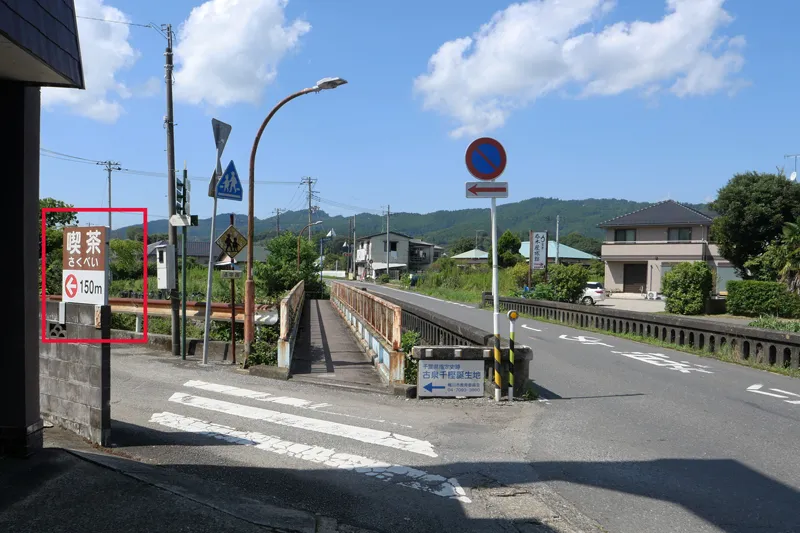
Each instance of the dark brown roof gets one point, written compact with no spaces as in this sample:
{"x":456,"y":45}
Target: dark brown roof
{"x":666,"y":213}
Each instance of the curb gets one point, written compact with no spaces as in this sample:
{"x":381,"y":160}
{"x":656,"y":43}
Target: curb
{"x":217,"y":496}
{"x":269,"y":371}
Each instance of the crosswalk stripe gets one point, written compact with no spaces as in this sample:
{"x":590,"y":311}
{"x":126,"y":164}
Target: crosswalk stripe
{"x":367,"y":435}
{"x":401,"y":475}
{"x":283,"y":400}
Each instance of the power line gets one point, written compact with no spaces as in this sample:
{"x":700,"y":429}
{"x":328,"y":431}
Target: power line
{"x":349,"y":207}
{"x":115,"y":21}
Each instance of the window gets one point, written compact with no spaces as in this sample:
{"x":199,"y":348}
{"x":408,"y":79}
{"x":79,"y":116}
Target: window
{"x":625,"y":235}
{"x":393,"y":245}
{"x":679,"y":234}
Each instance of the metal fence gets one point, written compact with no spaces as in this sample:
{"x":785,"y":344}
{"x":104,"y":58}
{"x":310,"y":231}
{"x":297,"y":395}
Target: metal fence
{"x":774,"y":348}
{"x":382,"y":316}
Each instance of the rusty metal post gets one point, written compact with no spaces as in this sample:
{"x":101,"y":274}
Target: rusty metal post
{"x":233,"y":306}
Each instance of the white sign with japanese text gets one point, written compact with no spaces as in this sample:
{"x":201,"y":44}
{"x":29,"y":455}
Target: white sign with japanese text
{"x":450,"y":378}
{"x":84,"y":264}
{"x":539,"y":259}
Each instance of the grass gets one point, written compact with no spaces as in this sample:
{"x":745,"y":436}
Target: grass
{"x":725,"y":353}
{"x":220,"y":330}
{"x":771,"y":322}
{"x":196,"y":279}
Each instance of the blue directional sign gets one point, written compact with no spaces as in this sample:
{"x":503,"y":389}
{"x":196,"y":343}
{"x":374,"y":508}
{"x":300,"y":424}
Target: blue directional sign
{"x":450,"y":378}
{"x":229,"y":187}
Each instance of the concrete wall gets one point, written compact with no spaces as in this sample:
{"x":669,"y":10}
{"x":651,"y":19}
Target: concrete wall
{"x":75,"y":378}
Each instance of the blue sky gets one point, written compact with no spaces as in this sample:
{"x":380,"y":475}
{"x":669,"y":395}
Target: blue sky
{"x":595,"y":99}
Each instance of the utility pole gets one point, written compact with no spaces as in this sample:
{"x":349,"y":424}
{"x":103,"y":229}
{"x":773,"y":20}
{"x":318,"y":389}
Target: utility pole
{"x":793,"y":156}
{"x":354,"y":247}
{"x":558,"y":242}
{"x":110,"y":165}
{"x":351,"y":249}
{"x":169,"y":122}
{"x":388,"y":242}
{"x":278,"y":214}
{"x":310,"y":182}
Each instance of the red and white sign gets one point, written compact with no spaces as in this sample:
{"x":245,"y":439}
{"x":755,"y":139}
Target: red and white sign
{"x":71,"y":286}
{"x":492,"y":189}
{"x":84,"y":263}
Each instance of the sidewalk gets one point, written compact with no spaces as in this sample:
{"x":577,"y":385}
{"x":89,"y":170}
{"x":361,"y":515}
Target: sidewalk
{"x":70,"y":487}
{"x":327,"y":351}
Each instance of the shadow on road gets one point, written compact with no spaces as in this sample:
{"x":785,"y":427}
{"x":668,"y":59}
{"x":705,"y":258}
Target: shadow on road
{"x":546,"y":394}
{"x":722,"y":492}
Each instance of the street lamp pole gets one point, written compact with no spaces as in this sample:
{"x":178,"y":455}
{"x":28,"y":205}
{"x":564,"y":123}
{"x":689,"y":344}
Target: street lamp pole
{"x":249,"y":286}
{"x":300,"y":236}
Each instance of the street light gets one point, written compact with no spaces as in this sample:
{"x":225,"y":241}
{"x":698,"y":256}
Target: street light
{"x":300,"y":236}
{"x":249,"y":285}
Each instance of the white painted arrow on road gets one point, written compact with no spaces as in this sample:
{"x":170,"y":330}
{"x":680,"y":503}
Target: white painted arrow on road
{"x":757,"y":389}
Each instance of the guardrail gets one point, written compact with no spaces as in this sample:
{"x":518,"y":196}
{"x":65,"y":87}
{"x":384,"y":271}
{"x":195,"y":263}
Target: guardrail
{"x":291,"y":310}
{"x":383,"y":316}
{"x":774,"y":348}
{"x":377,"y":323}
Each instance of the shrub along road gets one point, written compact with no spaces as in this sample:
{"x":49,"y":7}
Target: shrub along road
{"x":645,"y":439}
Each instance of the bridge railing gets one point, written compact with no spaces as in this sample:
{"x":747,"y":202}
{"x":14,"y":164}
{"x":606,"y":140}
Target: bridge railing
{"x":381,"y":315}
{"x":291,"y":311}
{"x":773,"y":348}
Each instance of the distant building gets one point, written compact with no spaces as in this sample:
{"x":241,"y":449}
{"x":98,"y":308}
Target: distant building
{"x":641,"y":247}
{"x":472,"y":257}
{"x":406,"y":254}
{"x":566,"y":254}
{"x":198,"y":250}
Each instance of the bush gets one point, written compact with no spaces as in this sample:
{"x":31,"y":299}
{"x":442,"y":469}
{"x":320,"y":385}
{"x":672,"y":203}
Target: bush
{"x":687,"y":287}
{"x":407,"y":343}
{"x":519,"y":273}
{"x":568,"y":282}
{"x":756,"y":298}
{"x":543,"y":291}
{"x":383,"y":278}
{"x":264,"y":350}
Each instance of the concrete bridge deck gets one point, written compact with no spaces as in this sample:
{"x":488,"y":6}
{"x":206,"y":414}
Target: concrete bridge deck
{"x":326,"y":351}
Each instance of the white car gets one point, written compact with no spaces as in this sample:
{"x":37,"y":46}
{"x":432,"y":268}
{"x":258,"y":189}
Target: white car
{"x":594,"y":293}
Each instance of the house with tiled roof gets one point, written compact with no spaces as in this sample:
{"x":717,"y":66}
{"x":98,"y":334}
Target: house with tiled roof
{"x":641,"y":247}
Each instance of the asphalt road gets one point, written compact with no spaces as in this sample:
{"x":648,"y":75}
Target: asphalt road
{"x":653,"y":443}
{"x":374,"y":461}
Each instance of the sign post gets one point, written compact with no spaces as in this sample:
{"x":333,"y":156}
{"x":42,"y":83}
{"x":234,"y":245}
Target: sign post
{"x":221,"y":133}
{"x":538,"y":254}
{"x":85,"y":265}
{"x":486,"y":161}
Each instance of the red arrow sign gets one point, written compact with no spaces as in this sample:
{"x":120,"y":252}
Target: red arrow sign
{"x":487,"y":190}
{"x":475,"y":189}
{"x":71,"y":286}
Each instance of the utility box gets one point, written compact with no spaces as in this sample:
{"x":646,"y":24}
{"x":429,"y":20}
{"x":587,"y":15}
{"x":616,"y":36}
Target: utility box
{"x":165,"y":263}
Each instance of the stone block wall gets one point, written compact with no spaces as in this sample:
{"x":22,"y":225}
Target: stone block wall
{"x":75,"y":377}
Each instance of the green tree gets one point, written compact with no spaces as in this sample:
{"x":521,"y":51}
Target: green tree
{"x":280,"y":273}
{"x":54,"y":241}
{"x":508,"y":246}
{"x":126,"y":259}
{"x":463,"y":244}
{"x":584,"y":244}
{"x":568,"y":282}
{"x":753,"y":209}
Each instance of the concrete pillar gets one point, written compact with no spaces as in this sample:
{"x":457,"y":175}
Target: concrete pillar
{"x":20,"y":421}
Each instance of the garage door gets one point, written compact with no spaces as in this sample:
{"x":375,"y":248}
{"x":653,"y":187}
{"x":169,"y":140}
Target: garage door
{"x":634,"y":278}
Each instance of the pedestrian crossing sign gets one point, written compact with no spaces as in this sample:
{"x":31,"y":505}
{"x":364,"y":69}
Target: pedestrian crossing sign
{"x":229,"y":187}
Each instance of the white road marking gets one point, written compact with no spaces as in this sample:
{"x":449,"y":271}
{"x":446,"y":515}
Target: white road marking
{"x":283,"y":400}
{"x":755,"y":388}
{"x":793,"y":402}
{"x":426,"y":296}
{"x":530,"y":328}
{"x":400,"y":475}
{"x":659,"y":359}
{"x":367,"y":435}
{"x":584,"y":340}
{"x":786,"y":392}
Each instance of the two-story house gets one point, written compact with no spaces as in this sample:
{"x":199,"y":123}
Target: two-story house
{"x":406,"y":254}
{"x":641,"y":247}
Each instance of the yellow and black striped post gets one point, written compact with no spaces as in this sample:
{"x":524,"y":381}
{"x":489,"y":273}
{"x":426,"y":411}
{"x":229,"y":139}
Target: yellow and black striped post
{"x":498,"y":370}
{"x":512,"y":318}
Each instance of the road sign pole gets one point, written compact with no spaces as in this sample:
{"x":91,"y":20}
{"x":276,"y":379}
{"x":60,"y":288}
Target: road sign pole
{"x":498,"y":376}
{"x":208,"y":282}
{"x":233,"y":308}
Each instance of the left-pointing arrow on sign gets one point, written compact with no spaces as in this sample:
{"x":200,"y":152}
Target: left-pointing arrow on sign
{"x":497,"y":189}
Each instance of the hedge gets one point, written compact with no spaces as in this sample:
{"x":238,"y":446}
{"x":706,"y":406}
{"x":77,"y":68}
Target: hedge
{"x":758,"y":298}
{"x":687,"y":287}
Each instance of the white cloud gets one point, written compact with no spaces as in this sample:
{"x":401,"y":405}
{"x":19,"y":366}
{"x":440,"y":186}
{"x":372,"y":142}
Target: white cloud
{"x":106,"y":50}
{"x":534,"y":48}
{"x":229,"y":50}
